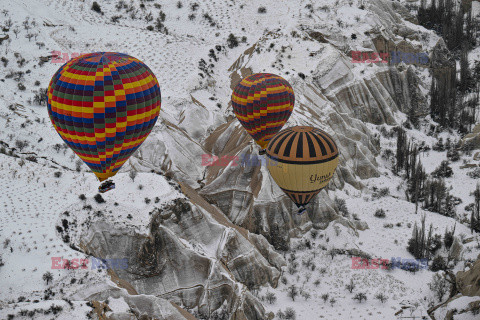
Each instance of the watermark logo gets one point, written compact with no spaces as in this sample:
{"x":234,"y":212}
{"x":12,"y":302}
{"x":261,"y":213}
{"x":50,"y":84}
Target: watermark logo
{"x":393,"y":57}
{"x":367,"y":57}
{"x":64,"y":57}
{"x":244,"y":160}
{"x":394,"y":263}
{"x":409,"y":57}
{"x":95,"y":263}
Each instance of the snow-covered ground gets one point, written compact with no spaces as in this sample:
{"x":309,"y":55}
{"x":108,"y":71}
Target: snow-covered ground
{"x":33,"y":195}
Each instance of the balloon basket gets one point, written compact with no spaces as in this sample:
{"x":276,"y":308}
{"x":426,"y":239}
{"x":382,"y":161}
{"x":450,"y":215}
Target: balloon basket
{"x":106,"y":186}
{"x":301,"y":210}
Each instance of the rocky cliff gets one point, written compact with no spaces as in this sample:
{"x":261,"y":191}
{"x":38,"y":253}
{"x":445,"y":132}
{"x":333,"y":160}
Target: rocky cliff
{"x":190,"y":255}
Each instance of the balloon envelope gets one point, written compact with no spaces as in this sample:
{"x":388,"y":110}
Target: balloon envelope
{"x":302,"y":160}
{"x":263,"y":102}
{"x":104,"y":105}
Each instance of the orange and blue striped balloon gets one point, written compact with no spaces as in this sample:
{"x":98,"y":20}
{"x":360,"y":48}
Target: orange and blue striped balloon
{"x":104,"y":105}
{"x":263,"y":102}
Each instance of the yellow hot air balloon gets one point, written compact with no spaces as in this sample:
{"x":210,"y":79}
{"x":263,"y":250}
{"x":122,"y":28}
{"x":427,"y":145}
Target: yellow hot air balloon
{"x":302,"y":160}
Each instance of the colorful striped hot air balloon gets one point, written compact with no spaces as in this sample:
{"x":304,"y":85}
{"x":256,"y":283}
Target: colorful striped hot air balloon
{"x":304,"y":161}
{"x":104,"y":105}
{"x":263,"y":102}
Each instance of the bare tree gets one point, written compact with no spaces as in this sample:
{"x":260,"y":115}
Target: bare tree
{"x":306,"y":295}
{"x":292,"y":292}
{"x":25,"y":24}
{"x":351,"y":286}
{"x":360,"y":296}
{"x":380,"y":296}
{"x":439,"y":286}
{"x":47,"y":277}
{"x":271,"y":297}
{"x":8,"y":23}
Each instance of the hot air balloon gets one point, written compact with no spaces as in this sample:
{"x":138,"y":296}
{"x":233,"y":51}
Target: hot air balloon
{"x":304,"y":161}
{"x":104,"y":105}
{"x":263,"y":102}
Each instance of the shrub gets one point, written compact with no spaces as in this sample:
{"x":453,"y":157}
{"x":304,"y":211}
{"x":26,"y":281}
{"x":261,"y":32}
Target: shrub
{"x":351,"y":286}
{"x":342,"y":206}
{"x":380,"y":213}
{"x":82,"y":197}
{"x":436,"y":243}
{"x":448,"y":239}
{"x":443,"y":171}
{"x":325,"y":297}
{"x":232,"y":41}
{"x":453,"y":155}
{"x":115,"y":19}
{"x":98,"y":198}
{"x":439,"y":286}
{"x":21,"y":144}
{"x":292,"y":292}
{"x":383,"y":192}
{"x":57,"y":174}
{"x":96,"y":7}
{"x":47,"y":277}
{"x":40,"y":97}
{"x":262,"y":10}
{"x":475,"y":174}
{"x":332,"y":301}
{"x":290,"y":314}
{"x":360,"y":297}
{"x":439,"y":146}
{"x":380,"y":296}
{"x":271,"y":297}
{"x":438,"y":264}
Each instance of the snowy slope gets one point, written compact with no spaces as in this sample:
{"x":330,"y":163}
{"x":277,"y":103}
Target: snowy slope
{"x":34,"y":196}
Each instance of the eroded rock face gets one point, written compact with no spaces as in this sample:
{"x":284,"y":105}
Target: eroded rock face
{"x":466,"y":300}
{"x":472,"y":139}
{"x":333,"y":99}
{"x":147,"y":307}
{"x":330,"y":93}
{"x":169,"y":149}
{"x":468,"y":282}
{"x":190,"y":255}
